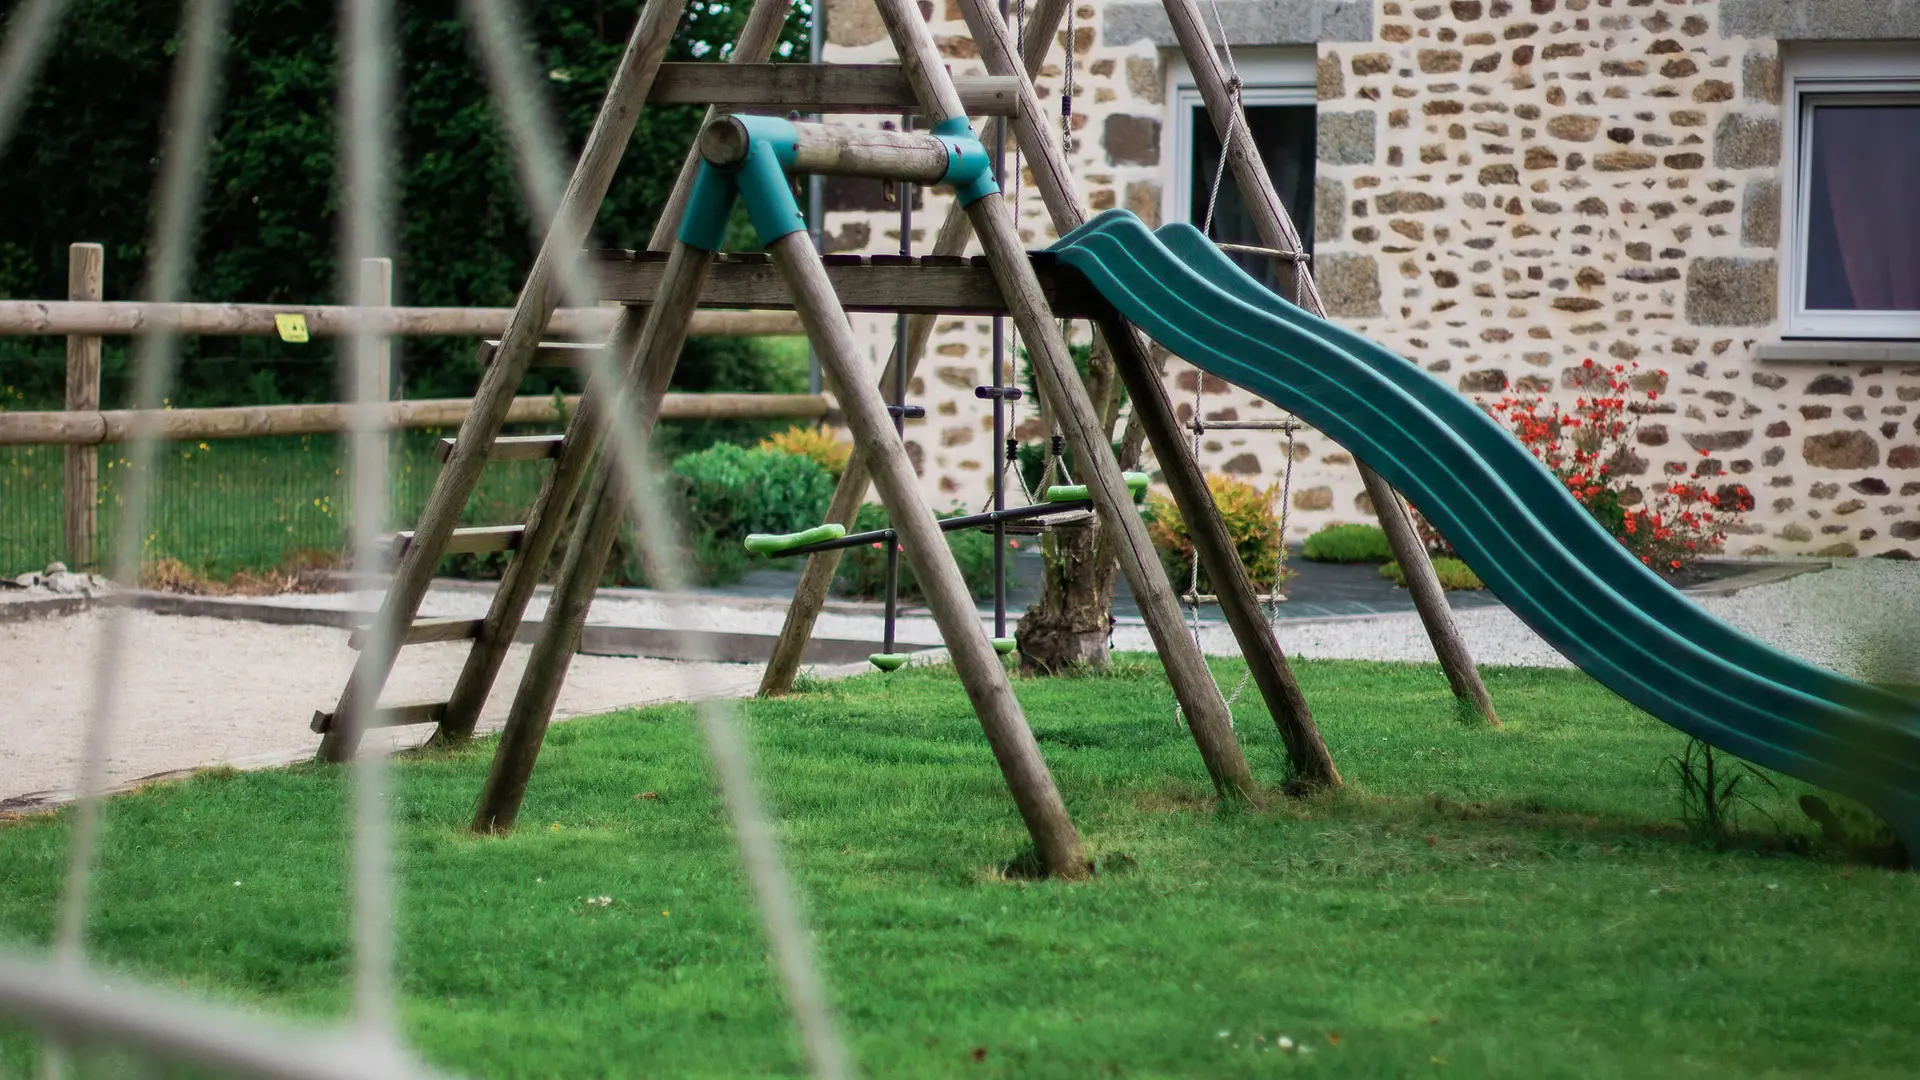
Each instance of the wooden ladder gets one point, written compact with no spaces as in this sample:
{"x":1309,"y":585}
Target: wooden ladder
{"x":641,"y":77}
{"x":466,"y":456}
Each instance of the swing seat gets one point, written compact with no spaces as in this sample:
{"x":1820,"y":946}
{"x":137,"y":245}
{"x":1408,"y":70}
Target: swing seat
{"x":1136,"y":483}
{"x":776,"y":543}
{"x":1004,"y":645}
{"x":888,"y":661}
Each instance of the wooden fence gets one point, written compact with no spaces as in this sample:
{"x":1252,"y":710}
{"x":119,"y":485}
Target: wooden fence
{"x":84,"y":318}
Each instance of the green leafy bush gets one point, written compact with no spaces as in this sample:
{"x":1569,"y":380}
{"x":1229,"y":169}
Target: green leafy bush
{"x":1453,"y":574}
{"x":1348,"y":544}
{"x":863,"y":572}
{"x":1251,"y":520}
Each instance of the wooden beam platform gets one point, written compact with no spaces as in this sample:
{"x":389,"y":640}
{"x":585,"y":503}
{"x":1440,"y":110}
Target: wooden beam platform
{"x":838,"y":88}
{"x":932,"y":284}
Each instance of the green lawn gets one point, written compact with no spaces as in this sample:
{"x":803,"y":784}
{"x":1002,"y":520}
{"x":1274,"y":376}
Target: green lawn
{"x":239,"y":504}
{"x":1514,"y":903}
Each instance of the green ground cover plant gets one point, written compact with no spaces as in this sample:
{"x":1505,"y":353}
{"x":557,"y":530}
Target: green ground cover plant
{"x":1348,"y":544}
{"x":1453,"y":574}
{"x":1517,"y":903}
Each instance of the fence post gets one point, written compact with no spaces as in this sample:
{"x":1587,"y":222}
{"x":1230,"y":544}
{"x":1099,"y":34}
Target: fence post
{"x":376,"y":289}
{"x":86,"y":265}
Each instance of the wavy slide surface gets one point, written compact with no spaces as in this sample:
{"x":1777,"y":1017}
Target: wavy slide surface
{"x":1546,"y":558}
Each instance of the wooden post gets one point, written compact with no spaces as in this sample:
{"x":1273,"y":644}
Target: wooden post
{"x":1277,"y":231}
{"x":86,"y":266}
{"x":376,"y":289}
{"x":539,"y":296}
{"x":1428,"y":597}
{"x":1153,"y":415}
{"x":554,"y":503}
{"x":1054,"y":838}
{"x":1206,"y":711}
{"x":811,"y":594}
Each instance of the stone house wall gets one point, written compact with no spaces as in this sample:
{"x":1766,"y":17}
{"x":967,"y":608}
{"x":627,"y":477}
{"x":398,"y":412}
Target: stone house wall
{"x":1505,"y":189}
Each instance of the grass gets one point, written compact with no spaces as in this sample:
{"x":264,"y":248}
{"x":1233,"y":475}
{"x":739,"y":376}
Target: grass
{"x":243,"y":504}
{"x":1514,"y":903}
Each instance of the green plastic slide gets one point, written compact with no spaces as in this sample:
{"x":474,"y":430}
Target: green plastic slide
{"x":1513,"y":522}
{"x":775,"y":543}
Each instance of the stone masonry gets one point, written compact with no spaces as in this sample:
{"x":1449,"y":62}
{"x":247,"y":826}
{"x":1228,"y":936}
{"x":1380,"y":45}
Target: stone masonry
{"x":1505,"y":189}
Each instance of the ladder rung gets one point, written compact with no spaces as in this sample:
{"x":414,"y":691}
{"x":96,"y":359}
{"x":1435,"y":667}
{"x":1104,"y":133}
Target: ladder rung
{"x":547,"y":353}
{"x":510,"y":448}
{"x":418,"y":712}
{"x":463,"y":541}
{"x":1245,"y":425}
{"x":423,"y":631}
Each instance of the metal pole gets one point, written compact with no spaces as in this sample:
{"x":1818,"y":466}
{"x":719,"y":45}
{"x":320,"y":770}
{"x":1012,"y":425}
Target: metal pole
{"x":999,"y":401}
{"x":904,"y":191}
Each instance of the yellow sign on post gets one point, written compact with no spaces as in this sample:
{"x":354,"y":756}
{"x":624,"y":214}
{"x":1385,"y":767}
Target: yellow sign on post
{"x":292,"y":328}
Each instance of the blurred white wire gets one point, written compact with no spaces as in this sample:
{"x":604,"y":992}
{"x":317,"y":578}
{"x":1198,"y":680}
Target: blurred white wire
{"x":30,"y":32}
{"x":366,"y":154}
{"x":517,"y":92}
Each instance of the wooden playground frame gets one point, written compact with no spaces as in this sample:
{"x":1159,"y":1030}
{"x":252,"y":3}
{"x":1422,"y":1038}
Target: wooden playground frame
{"x":662,"y":293}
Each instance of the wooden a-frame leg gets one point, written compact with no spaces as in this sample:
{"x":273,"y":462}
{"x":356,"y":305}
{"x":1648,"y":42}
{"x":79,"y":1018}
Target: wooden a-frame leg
{"x":561,"y":486}
{"x":810,"y":596}
{"x":592,"y":175}
{"x":1054,"y":838}
{"x":1059,"y":383}
{"x":817,"y":577}
{"x":1152,"y":412}
{"x":1276,"y":231}
{"x":661,"y":339}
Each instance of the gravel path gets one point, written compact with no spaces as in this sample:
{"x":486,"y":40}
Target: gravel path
{"x":202,"y":692}
{"x":1862,"y":618}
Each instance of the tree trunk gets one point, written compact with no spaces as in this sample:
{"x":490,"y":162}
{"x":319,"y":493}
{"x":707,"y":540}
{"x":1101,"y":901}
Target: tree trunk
{"x":1069,"y":625}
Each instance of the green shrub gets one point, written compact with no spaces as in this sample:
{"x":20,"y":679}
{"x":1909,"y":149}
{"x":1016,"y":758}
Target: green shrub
{"x":721,"y":494}
{"x":1453,"y":574}
{"x":863,"y":572}
{"x":1348,"y":544}
{"x":1251,"y":521}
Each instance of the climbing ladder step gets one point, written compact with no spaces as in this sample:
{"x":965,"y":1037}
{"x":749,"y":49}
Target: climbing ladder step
{"x":511,"y":448}
{"x":549,"y":353}
{"x":423,"y":631}
{"x":465,"y":541}
{"x":418,"y":712}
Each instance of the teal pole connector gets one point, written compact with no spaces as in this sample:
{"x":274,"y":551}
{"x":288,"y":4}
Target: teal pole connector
{"x":762,"y":181}
{"x":969,"y":169}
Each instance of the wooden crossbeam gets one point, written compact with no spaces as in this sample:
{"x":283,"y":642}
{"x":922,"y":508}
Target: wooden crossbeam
{"x":839,"y":88}
{"x":423,"y":631}
{"x":418,"y":712}
{"x":932,"y":284}
{"x":468,"y":540}
{"x":511,"y":448}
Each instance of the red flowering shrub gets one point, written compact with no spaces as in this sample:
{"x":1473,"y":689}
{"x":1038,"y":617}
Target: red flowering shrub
{"x":1588,"y":447}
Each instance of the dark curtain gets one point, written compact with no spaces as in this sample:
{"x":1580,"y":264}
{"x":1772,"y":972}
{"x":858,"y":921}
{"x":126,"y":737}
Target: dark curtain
{"x":1866,"y":170}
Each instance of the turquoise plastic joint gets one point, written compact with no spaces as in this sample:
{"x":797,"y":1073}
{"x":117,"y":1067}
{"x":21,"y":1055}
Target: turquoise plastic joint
{"x":969,"y":169}
{"x":761,"y":180}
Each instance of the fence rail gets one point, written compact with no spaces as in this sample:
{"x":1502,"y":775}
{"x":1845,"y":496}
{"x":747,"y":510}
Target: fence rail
{"x":84,"y":318}
{"x":55,"y":318}
{"x":92,"y":428}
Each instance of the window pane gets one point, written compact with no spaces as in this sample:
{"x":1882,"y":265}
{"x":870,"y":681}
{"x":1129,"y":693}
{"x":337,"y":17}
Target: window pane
{"x":1285,"y":136}
{"x":1863,"y":218}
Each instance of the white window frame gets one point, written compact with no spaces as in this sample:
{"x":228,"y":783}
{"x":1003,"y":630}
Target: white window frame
{"x":1279,"y":75}
{"x":1816,"y":73}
